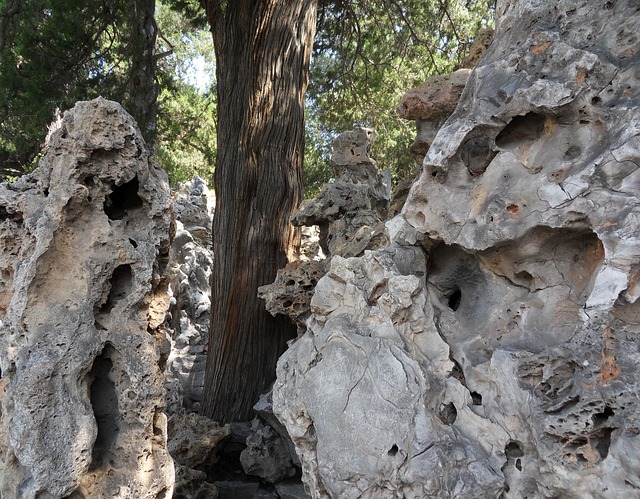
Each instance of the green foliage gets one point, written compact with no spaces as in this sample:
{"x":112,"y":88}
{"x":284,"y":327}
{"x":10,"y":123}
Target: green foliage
{"x":54,"y":53}
{"x":368,"y":54}
{"x":186,"y":144}
{"x":187,"y":141}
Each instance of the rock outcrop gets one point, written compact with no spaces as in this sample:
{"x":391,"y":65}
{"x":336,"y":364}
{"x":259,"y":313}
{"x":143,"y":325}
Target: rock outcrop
{"x":491,"y":349}
{"x":83,"y":245}
{"x":187,"y":321}
{"x":348,"y":215}
{"x":350,"y":211}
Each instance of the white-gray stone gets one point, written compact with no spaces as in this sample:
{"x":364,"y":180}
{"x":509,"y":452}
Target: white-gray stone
{"x":83,"y":246}
{"x":491,"y":350}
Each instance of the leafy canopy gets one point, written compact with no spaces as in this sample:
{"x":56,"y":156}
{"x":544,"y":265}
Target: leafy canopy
{"x":367,"y":54}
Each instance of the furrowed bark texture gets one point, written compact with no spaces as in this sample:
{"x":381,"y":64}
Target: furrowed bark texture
{"x":143,"y":87}
{"x":262,"y":55}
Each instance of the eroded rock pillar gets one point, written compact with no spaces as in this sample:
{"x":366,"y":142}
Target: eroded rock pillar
{"x":83,"y":242}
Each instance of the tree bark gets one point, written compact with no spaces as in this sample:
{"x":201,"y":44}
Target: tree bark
{"x":142,"y":100}
{"x":262,"y":49}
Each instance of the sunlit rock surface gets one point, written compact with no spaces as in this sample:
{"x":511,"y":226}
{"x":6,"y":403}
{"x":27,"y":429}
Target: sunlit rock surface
{"x":491,"y":350}
{"x":189,"y":271}
{"x":350,"y":211}
{"x":83,"y":245}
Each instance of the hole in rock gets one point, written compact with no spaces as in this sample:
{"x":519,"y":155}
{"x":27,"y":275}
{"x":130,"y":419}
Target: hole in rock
{"x":513,"y":209}
{"x":521,"y":129}
{"x":476,"y":398}
{"x":448,"y":414}
{"x":104,"y":402}
{"x":453,"y":302}
{"x":596,"y":101}
{"x":513,"y":449}
{"x":572,"y":153}
{"x":5,"y":215}
{"x":457,"y":372}
{"x":122,"y":199}
{"x":518,"y":464}
{"x":393,"y":451}
{"x":603,"y":441}
{"x":120,"y":286}
{"x":477,"y":154}
{"x":524,"y":276}
{"x":133,"y":243}
{"x":601,"y":417}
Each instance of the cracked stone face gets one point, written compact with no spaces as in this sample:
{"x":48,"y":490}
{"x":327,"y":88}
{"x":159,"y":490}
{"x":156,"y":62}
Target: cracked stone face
{"x":492,"y":349}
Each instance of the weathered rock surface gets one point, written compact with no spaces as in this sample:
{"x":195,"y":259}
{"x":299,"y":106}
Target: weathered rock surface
{"x":193,"y":439}
{"x":267,"y":454}
{"x":350,"y":211}
{"x":187,"y":322}
{"x":430,"y":105}
{"x":491,"y":350}
{"x":83,"y":243}
{"x":349,"y":215}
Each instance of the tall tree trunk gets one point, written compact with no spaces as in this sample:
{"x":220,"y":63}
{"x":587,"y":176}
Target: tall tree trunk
{"x":262,"y":49}
{"x":142,"y":100}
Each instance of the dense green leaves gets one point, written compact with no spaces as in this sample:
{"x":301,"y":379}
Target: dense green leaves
{"x":186,"y":144}
{"x":50,"y":58}
{"x":367,"y":54}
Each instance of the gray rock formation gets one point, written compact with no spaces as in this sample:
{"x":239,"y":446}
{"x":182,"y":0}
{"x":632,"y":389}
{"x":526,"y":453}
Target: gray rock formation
{"x":430,"y":105}
{"x":348,"y":217}
{"x":83,"y":245}
{"x":491,"y":350}
{"x":351,"y":211}
{"x":189,"y":269}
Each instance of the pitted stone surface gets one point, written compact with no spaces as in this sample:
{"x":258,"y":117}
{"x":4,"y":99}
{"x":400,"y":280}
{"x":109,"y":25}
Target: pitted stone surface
{"x":189,"y":274}
{"x":351,"y":211}
{"x":491,"y":350}
{"x":84,"y":245}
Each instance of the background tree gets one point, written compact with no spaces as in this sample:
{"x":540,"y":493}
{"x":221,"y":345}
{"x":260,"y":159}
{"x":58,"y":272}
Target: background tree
{"x":187,"y":110}
{"x":366,"y":55}
{"x":56,"y":52}
{"x":262,"y":62}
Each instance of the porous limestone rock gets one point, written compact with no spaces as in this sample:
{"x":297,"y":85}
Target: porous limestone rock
{"x":290,"y":294}
{"x":350,"y":211}
{"x":430,"y":105}
{"x":491,"y":350}
{"x":193,"y":438}
{"x":349,"y":215}
{"x":478,"y":47}
{"x":189,"y":270}
{"x":83,"y":246}
{"x":267,"y":454}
